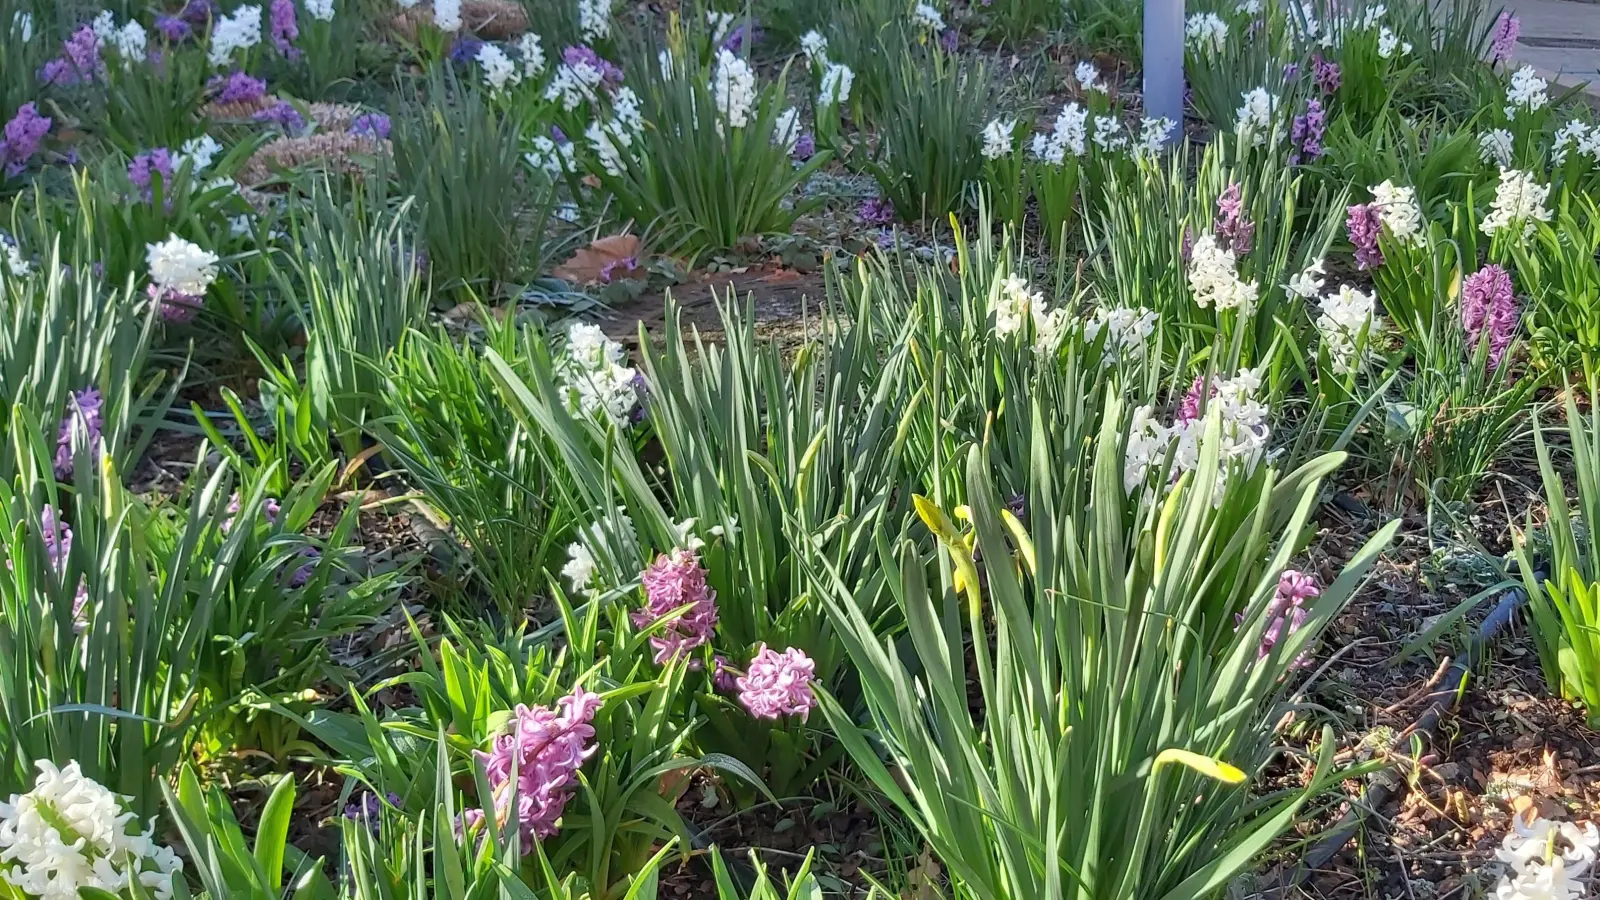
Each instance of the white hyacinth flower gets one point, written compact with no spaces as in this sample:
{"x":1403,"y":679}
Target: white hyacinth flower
{"x":1546,"y":860}
{"x":198,"y":152}
{"x":928,"y":17}
{"x":1088,"y":77}
{"x":1214,"y":278}
{"x":733,"y":85}
{"x":1518,"y":199}
{"x":1254,"y":118}
{"x":531,"y":51}
{"x":594,"y":19}
{"x":447,"y":15}
{"x":1347,"y":317}
{"x":321,"y":10}
{"x":1070,"y":134}
{"x":815,"y":48}
{"x":181,"y":267}
{"x":596,"y":379}
{"x":997,"y":141}
{"x":1401,"y":215}
{"x":1013,"y":305}
{"x":1526,"y":93}
{"x":835,"y":86}
{"x":1205,"y":34}
{"x":499,"y":72}
{"x":1496,"y":147}
{"x":239,"y":31}
{"x":786,"y":130}
{"x":1306,"y":285}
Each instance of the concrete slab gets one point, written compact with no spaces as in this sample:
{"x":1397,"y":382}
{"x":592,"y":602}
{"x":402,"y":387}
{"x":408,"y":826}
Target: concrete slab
{"x":1561,"y":39}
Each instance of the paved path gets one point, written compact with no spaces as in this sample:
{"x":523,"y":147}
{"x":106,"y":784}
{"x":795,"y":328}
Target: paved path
{"x":1561,"y":38}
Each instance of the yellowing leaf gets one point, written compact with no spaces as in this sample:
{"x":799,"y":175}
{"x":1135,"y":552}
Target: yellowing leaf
{"x":1214,"y":769}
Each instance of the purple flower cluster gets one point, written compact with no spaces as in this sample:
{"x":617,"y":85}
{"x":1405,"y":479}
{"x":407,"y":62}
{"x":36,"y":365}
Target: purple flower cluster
{"x":532,"y":768}
{"x":579,"y":55}
{"x":284,"y":115}
{"x":671,"y":583}
{"x":950,"y":40}
{"x":618,"y":268}
{"x":269,"y":511}
{"x":805,"y":146}
{"x":1326,"y":74}
{"x":198,"y":12}
{"x":144,"y":168}
{"x":21,"y":138}
{"x":366,"y":807}
{"x":1287,"y":612}
{"x":371,"y":125}
{"x":747,"y":34}
{"x":285,"y":29}
{"x":57,"y":546}
{"x":876,"y":211}
{"x":778,"y":684}
{"x":1503,"y":37}
{"x":173,"y":306}
{"x":83,"y":415}
{"x":1189,"y":408}
{"x":173,"y":29}
{"x":1305,"y":134}
{"x":79,"y":60}
{"x":236,"y":87}
{"x":1364,"y":224}
{"x":1488,"y":302}
{"x":465,"y":49}
{"x":1233,"y":226}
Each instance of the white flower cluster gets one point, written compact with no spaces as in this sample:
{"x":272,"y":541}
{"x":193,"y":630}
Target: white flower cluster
{"x":1154,"y":134}
{"x":786,"y":129}
{"x":1108,"y":133}
{"x":733,"y":85}
{"x":22,"y":25}
{"x":834,"y":88}
{"x":70,"y":833}
{"x":1518,"y":199}
{"x":1089,"y":77}
{"x":594,"y":19}
{"x":239,"y":31}
{"x":549,"y":157}
{"x":1126,"y":331}
{"x":815,"y":47}
{"x":180,"y":267}
{"x":610,"y":142}
{"x":130,"y":41}
{"x":1347,"y":318}
{"x":1401,"y":215}
{"x":1373,"y":16}
{"x":1069,"y":134}
{"x":1525,"y":93}
{"x":1254,"y":118}
{"x":1214,"y":278}
{"x":596,"y":379}
{"x":1546,"y":860}
{"x":1013,"y":304}
{"x":1575,"y":135}
{"x":1306,"y":285}
{"x":531,"y":51}
{"x":928,"y":17}
{"x":198,"y":152}
{"x":1245,"y":434}
{"x":499,"y":71}
{"x":1496,"y":147}
{"x":1205,"y":33}
{"x":574,"y":84}
{"x":447,"y":15}
{"x":997,"y":140}
{"x":1389,"y":42}
{"x":720,"y":24}
{"x":321,"y":10}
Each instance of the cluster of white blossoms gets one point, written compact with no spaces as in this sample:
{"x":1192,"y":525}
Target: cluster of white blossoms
{"x":550,"y":157}
{"x":733,"y":85}
{"x":594,"y":19}
{"x":1389,"y":42}
{"x":1518,"y":199}
{"x":596,"y":379}
{"x":1214,"y":278}
{"x":609,"y":140}
{"x":1108,"y":133}
{"x":928,"y":17}
{"x":321,"y":10}
{"x":1546,"y":860}
{"x":531,"y":50}
{"x":1576,"y":136}
{"x":1126,"y":331}
{"x":130,"y":41}
{"x":1496,"y":146}
{"x":239,"y":31}
{"x":70,"y":833}
{"x":180,"y":267}
{"x":1069,"y":134}
{"x":16,"y":265}
{"x":1244,"y":433}
{"x":1154,"y":134}
{"x":499,"y":70}
{"x":815,"y":48}
{"x":1253,"y":122}
{"x":834,"y":87}
{"x":1089,"y":77}
{"x":1373,"y":16}
{"x":1348,"y":318}
{"x":1307,"y":285}
{"x":447,"y":15}
{"x":997,"y":138}
{"x":198,"y":153}
{"x":1526,"y":93}
{"x":1205,"y":33}
{"x":786,"y":129}
{"x":720,"y":24}
{"x":1400,"y":212}
{"x":1013,"y":304}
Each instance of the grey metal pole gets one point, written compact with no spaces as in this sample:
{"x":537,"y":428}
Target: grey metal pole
{"x":1163,"y":61}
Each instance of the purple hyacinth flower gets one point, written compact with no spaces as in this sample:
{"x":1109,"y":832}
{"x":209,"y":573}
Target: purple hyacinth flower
{"x":1364,"y":224}
{"x":805,"y":146}
{"x":144,"y":168}
{"x":778,"y":684}
{"x":236,"y":87}
{"x":285,"y":28}
{"x":22,"y":137}
{"x":1305,"y":134}
{"x":1326,"y":74}
{"x":1503,"y":37}
{"x":876,"y":211}
{"x":1233,"y":226}
{"x":83,"y":416}
{"x":371,"y":125}
{"x":465,"y":49}
{"x":950,"y":40}
{"x":198,"y":12}
{"x":1489,"y":303}
{"x":671,"y":583}
{"x":173,"y":29}
{"x":284,"y":115}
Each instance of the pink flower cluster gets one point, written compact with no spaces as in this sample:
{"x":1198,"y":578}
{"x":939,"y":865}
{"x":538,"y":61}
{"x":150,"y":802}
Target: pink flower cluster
{"x":1503,"y":37}
{"x":269,"y":511}
{"x":533,"y":767}
{"x":1189,"y":408}
{"x":1488,"y":302}
{"x":1233,"y":226}
{"x":83,"y":412}
{"x":1364,"y":223}
{"x":21,"y":138}
{"x":1287,"y":612}
{"x":778,"y":684}
{"x":671,"y":583}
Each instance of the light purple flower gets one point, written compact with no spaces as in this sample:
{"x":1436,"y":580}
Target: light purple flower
{"x":1503,"y":37}
{"x":1489,"y":302}
{"x":778,"y":684}
{"x":144,"y":168}
{"x":1189,"y":408}
{"x":79,"y":60}
{"x":173,"y":28}
{"x":372,"y":125}
{"x":671,"y":583}
{"x":284,"y":115}
{"x":579,"y":55}
{"x":237,"y":87}
{"x":1233,"y":226}
{"x":876,"y":211}
{"x":723,"y":676}
{"x":1364,"y":224}
{"x":1326,"y":74}
{"x":805,"y":146}
{"x":269,"y":511}
{"x":465,"y":49}
{"x":950,"y":40}
{"x":174,"y":306}
{"x":1286,"y":613}
{"x":748,"y":33}
{"x":1305,"y":134}
{"x":22,"y":137}
{"x":198,"y":12}
{"x":532,"y":767}
{"x":285,"y":29}
{"x":82,"y":415}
